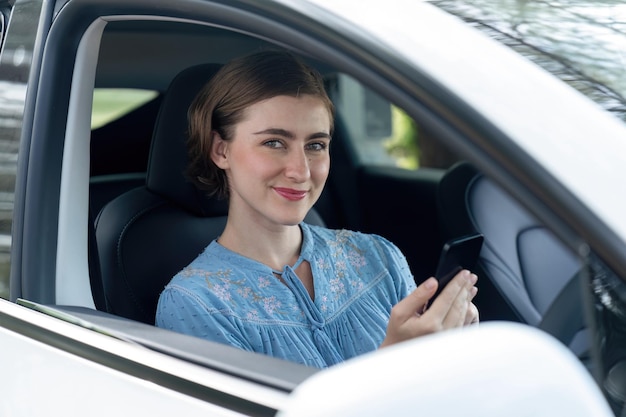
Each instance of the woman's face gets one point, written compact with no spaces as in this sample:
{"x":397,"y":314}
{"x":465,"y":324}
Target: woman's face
{"x":278,"y":159}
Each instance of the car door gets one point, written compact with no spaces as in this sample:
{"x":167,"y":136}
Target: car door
{"x":70,"y":361}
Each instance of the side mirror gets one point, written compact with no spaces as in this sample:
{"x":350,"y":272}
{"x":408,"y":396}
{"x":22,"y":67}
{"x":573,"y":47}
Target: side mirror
{"x":492,"y":370}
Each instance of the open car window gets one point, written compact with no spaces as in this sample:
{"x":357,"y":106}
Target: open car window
{"x":374,"y":139}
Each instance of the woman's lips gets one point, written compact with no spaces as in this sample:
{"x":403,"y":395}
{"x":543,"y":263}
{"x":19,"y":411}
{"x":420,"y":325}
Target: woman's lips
{"x":290,"y":194}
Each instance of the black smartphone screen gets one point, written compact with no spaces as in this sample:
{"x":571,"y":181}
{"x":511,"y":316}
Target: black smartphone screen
{"x":457,"y":254}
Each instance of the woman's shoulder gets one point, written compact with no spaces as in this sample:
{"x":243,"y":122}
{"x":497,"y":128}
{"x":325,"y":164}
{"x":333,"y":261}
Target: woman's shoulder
{"x":347,"y":236}
{"x":209,"y":264}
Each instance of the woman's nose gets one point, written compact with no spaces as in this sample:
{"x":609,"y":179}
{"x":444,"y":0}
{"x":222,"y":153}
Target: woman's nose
{"x":297,"y":166}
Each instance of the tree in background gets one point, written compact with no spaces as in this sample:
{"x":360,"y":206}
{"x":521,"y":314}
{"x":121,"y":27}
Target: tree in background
{"x":402,"y":146}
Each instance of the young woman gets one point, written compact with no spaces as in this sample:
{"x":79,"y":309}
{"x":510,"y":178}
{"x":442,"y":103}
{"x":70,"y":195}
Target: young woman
{"x":260,"y":133}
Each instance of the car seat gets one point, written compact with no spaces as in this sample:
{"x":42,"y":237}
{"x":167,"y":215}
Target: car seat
{"x":525,"y":273}
{"x":146,"y":235}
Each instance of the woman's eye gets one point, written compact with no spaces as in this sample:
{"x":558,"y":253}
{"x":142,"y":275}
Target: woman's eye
{"x":317,"y":146}
{"x":274,"y":143}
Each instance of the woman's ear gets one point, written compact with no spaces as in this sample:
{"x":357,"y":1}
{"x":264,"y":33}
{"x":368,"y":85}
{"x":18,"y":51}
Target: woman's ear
{"x":219,"y":150}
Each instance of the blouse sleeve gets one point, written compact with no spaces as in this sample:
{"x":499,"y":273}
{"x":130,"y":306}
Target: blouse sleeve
{"x":182,"y":311}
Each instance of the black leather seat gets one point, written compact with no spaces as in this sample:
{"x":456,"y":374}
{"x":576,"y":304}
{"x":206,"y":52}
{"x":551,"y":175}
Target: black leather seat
{"x":525,"y":273}
{"x":146,"y":235}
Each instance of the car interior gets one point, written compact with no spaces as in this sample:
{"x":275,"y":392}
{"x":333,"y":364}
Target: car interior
{"x":146,"y":221}
{"x":141,"y":204}
{"x":535,"y":275}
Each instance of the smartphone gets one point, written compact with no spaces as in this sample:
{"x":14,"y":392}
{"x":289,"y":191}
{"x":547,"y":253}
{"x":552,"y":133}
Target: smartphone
{"x":457,"y":254}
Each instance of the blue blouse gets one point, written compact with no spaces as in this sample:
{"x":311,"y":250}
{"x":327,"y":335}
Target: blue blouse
{"x":228,"y":298}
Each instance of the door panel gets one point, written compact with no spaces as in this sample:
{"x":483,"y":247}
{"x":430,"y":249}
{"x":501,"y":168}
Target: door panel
{"x":55,"y":368}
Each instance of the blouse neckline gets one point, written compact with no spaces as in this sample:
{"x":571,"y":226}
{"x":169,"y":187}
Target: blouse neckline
{"x":305,"y":252}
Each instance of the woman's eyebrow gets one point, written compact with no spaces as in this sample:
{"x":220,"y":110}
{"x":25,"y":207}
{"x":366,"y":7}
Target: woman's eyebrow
{"x":289,"y":135}
{"x":275,"y":131}
{"x":320,"y":135}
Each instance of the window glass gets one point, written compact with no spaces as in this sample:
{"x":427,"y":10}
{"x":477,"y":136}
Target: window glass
{"x":112,"y":103}
{"x":20,"y":35}
{"x":581,"y":42}
{"x":381,"y":133}
{"x":1,"y":28}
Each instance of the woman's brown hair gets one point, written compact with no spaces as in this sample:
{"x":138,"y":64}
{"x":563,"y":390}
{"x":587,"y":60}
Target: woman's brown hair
{"x":221,"y":103}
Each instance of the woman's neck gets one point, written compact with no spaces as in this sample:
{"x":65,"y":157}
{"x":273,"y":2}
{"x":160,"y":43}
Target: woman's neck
{"x":274,"y":246}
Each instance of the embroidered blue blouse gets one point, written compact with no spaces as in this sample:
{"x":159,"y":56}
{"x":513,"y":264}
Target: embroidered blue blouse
{"x":228,"y":298}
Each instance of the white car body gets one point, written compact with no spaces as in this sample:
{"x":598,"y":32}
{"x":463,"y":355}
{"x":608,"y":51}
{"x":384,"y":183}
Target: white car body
{"x":59,"y":365}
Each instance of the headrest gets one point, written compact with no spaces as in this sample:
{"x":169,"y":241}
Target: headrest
{"x":168,"y":153}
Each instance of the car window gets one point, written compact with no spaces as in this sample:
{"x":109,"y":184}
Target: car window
{"x":381,"y":133}
{"x":18,"y":38}
{"x":112,"y":103}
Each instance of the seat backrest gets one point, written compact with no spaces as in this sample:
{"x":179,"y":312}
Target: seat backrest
{"x":522,"y":266}
{"x":148,"y":234}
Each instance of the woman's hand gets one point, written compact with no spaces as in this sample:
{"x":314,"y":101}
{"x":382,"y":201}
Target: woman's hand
{"x":452,"y":308}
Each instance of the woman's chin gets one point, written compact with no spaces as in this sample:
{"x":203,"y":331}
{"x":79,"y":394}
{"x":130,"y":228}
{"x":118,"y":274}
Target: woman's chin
{"x":292,"y":220}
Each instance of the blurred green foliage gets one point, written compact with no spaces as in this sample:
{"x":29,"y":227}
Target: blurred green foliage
{"x":402,"y":145}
